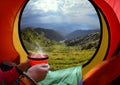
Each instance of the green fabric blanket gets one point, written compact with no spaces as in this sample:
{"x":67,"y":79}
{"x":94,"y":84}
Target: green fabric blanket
{"x":69,"y":76}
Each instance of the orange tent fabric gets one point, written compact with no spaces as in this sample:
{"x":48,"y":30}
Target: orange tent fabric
{"x":8,"y":12}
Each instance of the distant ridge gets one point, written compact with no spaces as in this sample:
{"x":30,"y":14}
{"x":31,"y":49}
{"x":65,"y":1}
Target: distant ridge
{"x":86,"y":42}
{"x":50,"y":34}
{"x":79,"y":33}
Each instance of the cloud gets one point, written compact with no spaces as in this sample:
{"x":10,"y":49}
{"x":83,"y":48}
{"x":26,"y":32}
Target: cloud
{"x":60,"y":11}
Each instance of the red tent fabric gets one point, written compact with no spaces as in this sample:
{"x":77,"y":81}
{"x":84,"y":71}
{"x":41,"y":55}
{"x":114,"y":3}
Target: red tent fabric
{"x":108,"y":70}
{"x":110,"y":9}
{"x":115,"y":27}
{"x":8,"y":12}
{"x":115,"y":4}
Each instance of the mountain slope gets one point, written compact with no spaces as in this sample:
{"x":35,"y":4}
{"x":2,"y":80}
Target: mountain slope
{"x":79,"y":33}
{"x":31,"y":39}
{"x":86,"y":42}
{"x":50,"y":34}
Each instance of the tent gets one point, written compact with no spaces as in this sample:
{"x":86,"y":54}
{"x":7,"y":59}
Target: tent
{"x":10,"y":45}
{"x":11,"y":48}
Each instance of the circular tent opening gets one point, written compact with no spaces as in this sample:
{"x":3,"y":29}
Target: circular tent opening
{"x":61,"y":29}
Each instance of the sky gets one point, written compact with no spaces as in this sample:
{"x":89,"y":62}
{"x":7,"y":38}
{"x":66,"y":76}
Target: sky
{"x":60,"y":15}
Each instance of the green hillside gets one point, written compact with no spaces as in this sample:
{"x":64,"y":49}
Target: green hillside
{"x":62,"y":54}
{"x":50,"y":34}
{"x":87,"y":42}
{"x":33,"y":40}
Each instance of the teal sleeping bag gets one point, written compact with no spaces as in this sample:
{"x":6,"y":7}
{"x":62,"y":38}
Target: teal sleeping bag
{"x":69,"y":76}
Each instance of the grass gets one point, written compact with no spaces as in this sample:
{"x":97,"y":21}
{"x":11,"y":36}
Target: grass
{"x":61,"y":56}
{"x":61,"y":60}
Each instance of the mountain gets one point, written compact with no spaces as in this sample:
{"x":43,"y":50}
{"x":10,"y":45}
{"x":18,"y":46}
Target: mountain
{"x":33,"y":37}
{"x":63,"y":28}
{"x":50,"y":34}
{"x":86,"y":42}
{"x":79,"y":33}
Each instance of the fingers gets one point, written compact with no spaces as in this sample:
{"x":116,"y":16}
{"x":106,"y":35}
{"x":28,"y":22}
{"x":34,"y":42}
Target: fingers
{"x":44,"y":66}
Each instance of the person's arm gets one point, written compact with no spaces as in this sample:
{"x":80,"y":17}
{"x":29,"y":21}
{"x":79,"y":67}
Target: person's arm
{"x":104,"y":73}
{"x":26,"y":80}
{"x":8,"y":77}
{"x":11,"y":75}
{"x":34,"y":74}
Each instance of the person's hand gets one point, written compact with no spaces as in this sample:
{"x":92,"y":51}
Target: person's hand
{"x":24,"y":66}
{"x":38,"y":72}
